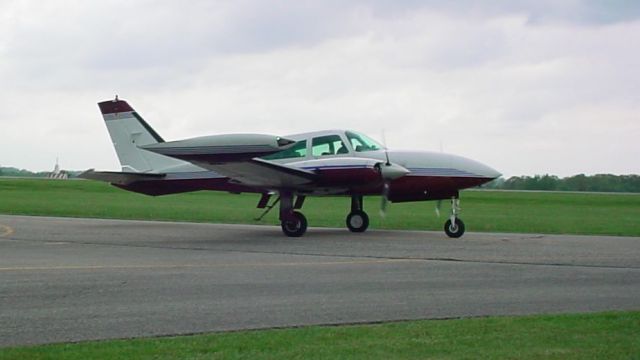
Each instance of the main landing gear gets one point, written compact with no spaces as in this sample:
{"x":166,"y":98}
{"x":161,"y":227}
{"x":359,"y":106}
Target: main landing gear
{"x":294,"y":223}
{"x":454,"y":227}
{"x":357,"y":220}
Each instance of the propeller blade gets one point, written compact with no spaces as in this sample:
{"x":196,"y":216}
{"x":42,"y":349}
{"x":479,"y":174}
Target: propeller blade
{"x":388,"y":172}
{"x":438,"y":206}
{"x":386,"y":150}
{"x":385,"y":199}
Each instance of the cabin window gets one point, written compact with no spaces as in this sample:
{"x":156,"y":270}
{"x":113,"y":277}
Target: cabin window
{"x":298,"y":150}
{"x":328,"y":145}
{"x":361,"y":142}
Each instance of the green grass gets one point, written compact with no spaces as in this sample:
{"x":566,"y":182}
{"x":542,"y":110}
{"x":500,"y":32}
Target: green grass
{"x":488,"y":211}
{"x":586,"y":336}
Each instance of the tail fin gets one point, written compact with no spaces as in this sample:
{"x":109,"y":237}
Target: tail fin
{"x":128,"y":132}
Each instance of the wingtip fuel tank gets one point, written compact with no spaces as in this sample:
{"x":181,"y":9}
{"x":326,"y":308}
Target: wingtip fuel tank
{"x":222,"y":148}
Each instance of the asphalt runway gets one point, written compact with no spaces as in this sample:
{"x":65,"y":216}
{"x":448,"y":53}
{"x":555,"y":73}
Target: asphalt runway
{"x":65,"y":279}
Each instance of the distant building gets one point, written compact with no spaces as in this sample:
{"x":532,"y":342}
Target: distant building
{"x":57,"y":173}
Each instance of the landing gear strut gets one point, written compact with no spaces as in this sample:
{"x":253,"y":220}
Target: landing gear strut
{"x":454,"y":227}
{"x":293,"y":223}
{"x":357,"y":220}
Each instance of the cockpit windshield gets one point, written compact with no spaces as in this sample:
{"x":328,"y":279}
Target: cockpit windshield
{"x":361,"y":142}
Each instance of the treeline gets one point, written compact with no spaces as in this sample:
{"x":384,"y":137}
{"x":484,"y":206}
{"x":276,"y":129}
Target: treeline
{"x":11,"y":171}
{"x":597,"y":183}
{"x":15,"y":172}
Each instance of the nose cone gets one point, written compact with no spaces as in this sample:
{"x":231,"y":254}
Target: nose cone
{"x":442,"y":164}
{"x":427,"y":163}
{"x":488,"y":172}
{"x":475,"y":168}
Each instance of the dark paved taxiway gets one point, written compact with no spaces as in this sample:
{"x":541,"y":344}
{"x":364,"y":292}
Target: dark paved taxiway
{"x":78,"y":279}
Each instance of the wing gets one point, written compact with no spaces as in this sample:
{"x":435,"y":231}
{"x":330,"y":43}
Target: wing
{"x":262,"y":173}
{"x":237,"y":157}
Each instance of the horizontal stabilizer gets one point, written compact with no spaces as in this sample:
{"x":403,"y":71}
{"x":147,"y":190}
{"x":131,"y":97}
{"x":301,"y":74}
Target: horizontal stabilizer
{"x":120,"y":178}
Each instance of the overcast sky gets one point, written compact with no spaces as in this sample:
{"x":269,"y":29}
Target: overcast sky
{"x":527,"y":87}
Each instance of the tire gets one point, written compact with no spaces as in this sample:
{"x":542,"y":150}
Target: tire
{"x":454,"y":231}
{"x":294,"y":228}
{"x":357,"y":221}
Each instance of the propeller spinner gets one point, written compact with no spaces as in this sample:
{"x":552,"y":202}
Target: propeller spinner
{"x":389,"y":172}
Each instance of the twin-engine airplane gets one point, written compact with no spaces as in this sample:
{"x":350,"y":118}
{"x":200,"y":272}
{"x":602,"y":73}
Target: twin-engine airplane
{"x":332,"y":162}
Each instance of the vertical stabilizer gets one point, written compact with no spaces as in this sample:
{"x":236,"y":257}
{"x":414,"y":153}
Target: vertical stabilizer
{"x":128,"y":132}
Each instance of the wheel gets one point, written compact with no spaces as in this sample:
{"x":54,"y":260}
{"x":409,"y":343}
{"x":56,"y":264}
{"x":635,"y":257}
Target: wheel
{"x":357,"y":221}
{"x":294,"y":228}
{"x":454,"y":230}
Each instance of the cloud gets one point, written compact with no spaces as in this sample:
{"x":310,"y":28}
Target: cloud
{"x":526,"y":87}
{"x":537,"y":12}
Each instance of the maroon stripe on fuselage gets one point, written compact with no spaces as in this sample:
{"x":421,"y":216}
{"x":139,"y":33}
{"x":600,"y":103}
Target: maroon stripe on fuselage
{"x":114,"y":106}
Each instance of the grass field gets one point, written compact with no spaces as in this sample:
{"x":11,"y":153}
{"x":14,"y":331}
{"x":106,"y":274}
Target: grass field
{"x":488,"y":211}
{"x":586,"y":336}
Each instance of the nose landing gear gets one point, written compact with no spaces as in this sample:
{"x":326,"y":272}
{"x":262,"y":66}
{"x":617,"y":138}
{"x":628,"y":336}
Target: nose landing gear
{"x":454,"y":227}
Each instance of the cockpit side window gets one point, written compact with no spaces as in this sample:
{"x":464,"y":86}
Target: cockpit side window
{"x":298,"y":150}
{"x":361,"y":142}
{"x":328,"y":145}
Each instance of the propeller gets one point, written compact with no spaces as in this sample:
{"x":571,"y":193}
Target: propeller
{"x":438,"y":207}
{"x":386,"y":150}
{"x":388,"y":172}
{"x":385,"y":187}
{"x":385,"y":199}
